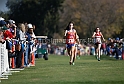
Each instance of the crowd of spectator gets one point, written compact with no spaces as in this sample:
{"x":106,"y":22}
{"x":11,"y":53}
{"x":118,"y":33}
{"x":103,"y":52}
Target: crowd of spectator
{"x":20,"y":41}
{"x":112,"y":47}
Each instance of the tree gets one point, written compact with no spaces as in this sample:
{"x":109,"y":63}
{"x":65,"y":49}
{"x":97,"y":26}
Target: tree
{"x":4,"y":15}
{"x":89,"y":14}
{"x":42,"y":13}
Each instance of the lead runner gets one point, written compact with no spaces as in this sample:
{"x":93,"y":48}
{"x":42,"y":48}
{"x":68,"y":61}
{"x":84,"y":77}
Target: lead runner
{"x":71,"y":38}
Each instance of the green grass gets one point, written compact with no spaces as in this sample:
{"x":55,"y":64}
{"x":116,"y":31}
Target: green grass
{"x":57,"y":70}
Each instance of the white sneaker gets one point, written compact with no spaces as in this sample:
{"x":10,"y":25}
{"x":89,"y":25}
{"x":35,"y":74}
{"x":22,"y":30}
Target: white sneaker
{"x":29,"y":65}
{"x":73,"y":63}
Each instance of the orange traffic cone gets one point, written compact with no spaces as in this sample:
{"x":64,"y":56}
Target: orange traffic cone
{"x":123,"y":54}
{"x":23,"y":59}
{"x":13,"y":59}
{"x":32,"y":59}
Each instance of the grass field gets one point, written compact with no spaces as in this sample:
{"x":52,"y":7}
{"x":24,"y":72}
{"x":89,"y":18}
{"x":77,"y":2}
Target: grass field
{"x":57,"y":70}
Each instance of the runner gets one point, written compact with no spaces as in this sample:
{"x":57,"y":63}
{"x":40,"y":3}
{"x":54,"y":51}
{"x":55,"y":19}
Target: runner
{"x":70,"y":36}
{"x":77,"y":48}
{"x":97,"y":35}
{"x":79,"y":51}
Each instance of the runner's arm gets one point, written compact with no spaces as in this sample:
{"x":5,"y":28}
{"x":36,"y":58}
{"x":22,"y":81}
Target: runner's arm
{"x":65,"y":34}
{"x":102,"y":36}
{"x":93,"y":36}
{"x":77,"y":38}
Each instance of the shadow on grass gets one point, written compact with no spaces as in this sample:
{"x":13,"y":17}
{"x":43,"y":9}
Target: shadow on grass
{"x":92,"y":82}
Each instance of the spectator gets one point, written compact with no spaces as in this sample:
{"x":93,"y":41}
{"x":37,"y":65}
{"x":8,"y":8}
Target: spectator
{"x":31,"y":39}
{"x":92,"y":49}
{"x":7,"y":36}
{"x":12,"y":27}
{"x":1,"y":32}
{"x":103,"y":48}
{"x":20,"y":45}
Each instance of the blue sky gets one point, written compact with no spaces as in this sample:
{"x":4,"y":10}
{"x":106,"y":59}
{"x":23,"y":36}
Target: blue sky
{"x":3,"y":5}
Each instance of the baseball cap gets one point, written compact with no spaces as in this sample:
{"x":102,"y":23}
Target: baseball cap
{"x":2,"y":18}
{"x":2,"y":23}
{"x":4,"y":28}
{"x":30,"y":26}
{"x":11,"y":21}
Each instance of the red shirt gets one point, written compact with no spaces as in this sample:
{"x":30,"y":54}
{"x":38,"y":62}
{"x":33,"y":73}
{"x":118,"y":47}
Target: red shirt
{"x":70,"y":39}
{"x":98,"y":35}
{"x":7,"y":34}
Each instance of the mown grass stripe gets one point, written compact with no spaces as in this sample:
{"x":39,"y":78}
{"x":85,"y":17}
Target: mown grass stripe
{"x":57,"y":70}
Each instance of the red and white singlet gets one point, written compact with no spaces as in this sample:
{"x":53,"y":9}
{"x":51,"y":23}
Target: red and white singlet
{"x":70,"y":37}
{"x":98,"y":37}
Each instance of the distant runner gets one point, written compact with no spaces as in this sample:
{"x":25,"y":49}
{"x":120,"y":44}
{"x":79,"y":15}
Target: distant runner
{"x":97,"y":35}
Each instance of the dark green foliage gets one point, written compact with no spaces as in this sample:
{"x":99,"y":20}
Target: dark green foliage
{"x":42,"y":13}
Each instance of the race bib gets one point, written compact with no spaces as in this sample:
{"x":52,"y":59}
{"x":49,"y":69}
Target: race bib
{"x":70,"y":41}
{"x":98,"y":40}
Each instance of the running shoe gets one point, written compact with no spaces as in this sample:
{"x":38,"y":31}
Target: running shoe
{"x":70,"y":63}
{"x":73,"y":63}
{"x":98,"y":59}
